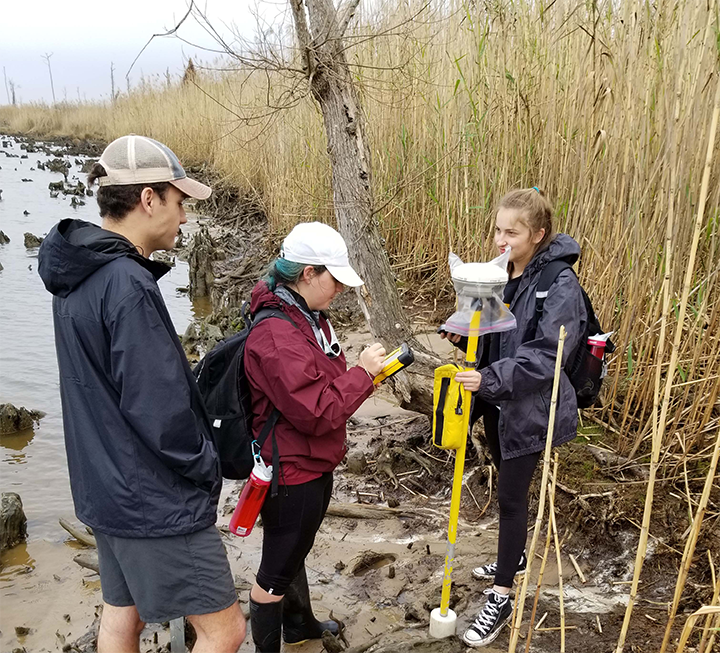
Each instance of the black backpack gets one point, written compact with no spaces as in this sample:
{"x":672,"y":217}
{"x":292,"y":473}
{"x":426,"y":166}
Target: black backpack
{"x":225,"y":389}
{"x":584,"y":370}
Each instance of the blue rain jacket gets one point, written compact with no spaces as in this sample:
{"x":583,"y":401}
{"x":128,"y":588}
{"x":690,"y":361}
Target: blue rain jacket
{"x":141,"y":457}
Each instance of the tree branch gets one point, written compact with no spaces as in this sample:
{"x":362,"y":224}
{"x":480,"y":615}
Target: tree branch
{"x":348,"y":14}
{"x":169,"y":33}
{"x":303,"y":35}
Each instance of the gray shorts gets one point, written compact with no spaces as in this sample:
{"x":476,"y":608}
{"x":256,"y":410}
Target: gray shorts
{"x":166,"y":577}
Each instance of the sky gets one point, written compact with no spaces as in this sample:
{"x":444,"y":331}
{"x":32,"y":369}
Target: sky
{"x":85,"y":37}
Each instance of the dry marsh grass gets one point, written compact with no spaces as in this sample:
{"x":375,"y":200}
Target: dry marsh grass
{"x":605,"y":105}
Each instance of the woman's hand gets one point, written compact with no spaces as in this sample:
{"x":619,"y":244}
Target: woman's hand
{"x":470,"y":380}
{"x":452,"y":337}
{"x":372,"y":359}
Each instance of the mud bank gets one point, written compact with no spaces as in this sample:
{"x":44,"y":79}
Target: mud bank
{"x":374,"y":574}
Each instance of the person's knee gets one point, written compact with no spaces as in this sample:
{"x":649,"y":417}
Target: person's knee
{"x":120,"y":628}
{"x":230,"y":640}
{"x":220,"y":632}
{"x":512,"y":507}
{"x":240,"y":630}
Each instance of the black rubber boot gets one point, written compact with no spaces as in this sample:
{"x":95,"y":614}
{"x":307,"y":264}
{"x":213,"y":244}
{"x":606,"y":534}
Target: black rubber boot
{"x":266,"y":625}
{"x":299,"y":622}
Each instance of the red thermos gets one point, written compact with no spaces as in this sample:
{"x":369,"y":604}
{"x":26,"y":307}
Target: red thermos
{"x":597,"y":347}
{"x":251,"y":499}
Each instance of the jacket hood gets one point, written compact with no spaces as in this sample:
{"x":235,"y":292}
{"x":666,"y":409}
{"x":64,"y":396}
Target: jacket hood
{"x":75,"y":249}
{"x":561,"y":247}
{"x":263,"y":297}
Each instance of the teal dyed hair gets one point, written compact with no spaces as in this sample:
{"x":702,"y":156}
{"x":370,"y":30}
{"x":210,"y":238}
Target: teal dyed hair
{"x":282,"y":272}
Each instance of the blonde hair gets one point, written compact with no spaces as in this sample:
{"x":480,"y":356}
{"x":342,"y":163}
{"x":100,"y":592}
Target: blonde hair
{"x":535,"y":212}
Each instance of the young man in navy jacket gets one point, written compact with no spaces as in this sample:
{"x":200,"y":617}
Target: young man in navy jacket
{"x":144,"y":471}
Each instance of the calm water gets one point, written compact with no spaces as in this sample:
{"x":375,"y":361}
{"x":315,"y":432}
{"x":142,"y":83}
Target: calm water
{"x":33,"y":463}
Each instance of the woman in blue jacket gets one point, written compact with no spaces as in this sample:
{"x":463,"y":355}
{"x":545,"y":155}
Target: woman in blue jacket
{"x":513,"y":384}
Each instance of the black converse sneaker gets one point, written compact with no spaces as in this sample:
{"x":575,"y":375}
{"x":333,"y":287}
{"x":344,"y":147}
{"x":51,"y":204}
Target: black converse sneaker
{"x":489,"y":622}
{"x":489,"y":571}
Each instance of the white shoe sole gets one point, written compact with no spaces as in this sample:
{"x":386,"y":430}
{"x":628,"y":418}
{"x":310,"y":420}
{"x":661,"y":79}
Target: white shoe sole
{"x":488,"y":640}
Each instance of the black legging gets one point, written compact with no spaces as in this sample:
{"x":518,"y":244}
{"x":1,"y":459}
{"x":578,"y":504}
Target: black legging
{"x":290,"y":522}
{"x":514,"y":477}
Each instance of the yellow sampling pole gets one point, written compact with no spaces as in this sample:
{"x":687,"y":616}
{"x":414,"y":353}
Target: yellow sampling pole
{"x":470,"y":358}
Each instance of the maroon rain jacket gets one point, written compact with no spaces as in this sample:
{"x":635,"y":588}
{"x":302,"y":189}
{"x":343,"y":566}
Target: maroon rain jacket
{"x":314,"y":393}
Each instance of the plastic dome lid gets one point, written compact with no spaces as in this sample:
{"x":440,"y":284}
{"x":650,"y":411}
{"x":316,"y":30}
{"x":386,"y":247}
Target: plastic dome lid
{"x":480,"y":273}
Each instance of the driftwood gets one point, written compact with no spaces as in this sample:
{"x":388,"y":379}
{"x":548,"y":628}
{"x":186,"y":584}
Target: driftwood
{"x":365,"y":511}
{"x":450,"y":645}
{"x":362,"y":511}
{"x":84,"y":538}
{"x":361,"y":648}
{"x":611,"y":459}
{"x":88,"y":561}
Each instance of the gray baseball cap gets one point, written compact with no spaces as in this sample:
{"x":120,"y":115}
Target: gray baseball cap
{"x":141,"y":160}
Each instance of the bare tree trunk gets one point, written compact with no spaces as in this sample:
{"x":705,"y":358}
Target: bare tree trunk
{"x":320,"y":33}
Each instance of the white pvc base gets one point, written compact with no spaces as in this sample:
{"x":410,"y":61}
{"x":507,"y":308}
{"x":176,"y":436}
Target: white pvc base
{"x":441,"y":627}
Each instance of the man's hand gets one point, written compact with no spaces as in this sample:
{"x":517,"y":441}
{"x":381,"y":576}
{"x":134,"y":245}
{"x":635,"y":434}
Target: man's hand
{"x":470,"y":380}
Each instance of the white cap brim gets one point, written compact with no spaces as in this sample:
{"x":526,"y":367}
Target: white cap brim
{"x":192,"y":188}
{"x":345,"y":275}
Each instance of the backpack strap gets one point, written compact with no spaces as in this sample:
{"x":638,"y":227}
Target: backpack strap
{"x":548,"y":276}
{"x":264,"y":314}
{"x":269,"y":426}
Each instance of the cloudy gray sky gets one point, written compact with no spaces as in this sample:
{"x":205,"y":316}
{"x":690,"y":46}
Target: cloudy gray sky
{"x":85,"y":36}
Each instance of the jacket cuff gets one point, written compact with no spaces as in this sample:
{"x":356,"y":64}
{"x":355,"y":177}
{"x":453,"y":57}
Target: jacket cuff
{"x":484,"y":391}
{"x":366,"y":375}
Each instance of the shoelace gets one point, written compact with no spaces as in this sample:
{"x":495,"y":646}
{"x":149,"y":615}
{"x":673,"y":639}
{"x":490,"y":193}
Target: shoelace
{"x":487,"y":617}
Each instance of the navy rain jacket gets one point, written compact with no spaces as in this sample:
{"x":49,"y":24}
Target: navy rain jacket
{"x":140,"y":452}
{"x":520,"y":383}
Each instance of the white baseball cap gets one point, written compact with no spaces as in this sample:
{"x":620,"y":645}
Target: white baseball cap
{"x":141,"y":160}
{"x":315,"y":243}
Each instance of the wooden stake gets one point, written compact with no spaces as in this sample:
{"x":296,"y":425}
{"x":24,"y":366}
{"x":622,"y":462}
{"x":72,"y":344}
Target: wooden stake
{"x":515,"y":634}
{"x":540,"y":579}
{"x":553,"y":522}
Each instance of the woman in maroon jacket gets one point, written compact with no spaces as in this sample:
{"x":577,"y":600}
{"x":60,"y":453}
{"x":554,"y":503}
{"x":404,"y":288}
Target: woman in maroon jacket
{"x":299,"y":368}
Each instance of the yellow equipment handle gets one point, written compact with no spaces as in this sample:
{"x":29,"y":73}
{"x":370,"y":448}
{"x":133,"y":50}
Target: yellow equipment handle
{"x":470,"y":358}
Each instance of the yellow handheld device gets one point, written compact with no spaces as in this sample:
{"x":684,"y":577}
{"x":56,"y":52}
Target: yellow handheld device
{"x":394,"y":362}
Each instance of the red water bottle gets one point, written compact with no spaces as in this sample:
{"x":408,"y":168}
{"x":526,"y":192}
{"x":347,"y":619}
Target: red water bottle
{"x":251,"y":499}
{"x":597,"y":347}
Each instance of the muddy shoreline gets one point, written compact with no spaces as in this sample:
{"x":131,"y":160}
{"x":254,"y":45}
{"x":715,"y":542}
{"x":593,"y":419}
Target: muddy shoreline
{"x":376,"y":574}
